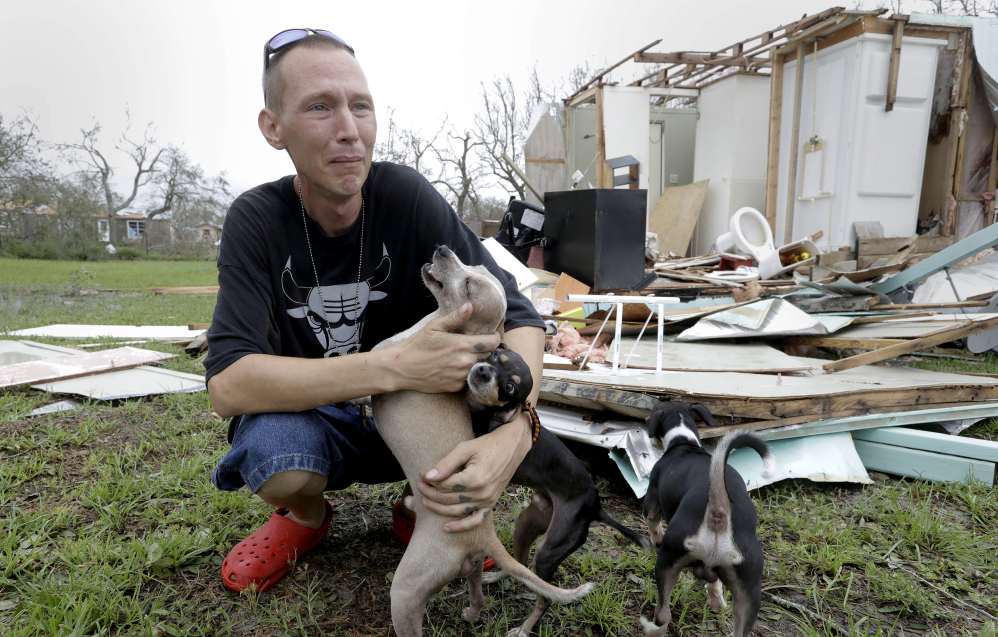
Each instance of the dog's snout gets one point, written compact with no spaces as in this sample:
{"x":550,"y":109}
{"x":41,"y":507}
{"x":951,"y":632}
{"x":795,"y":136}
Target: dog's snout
{"x":443,"y":252}
{"x":484,"y":374}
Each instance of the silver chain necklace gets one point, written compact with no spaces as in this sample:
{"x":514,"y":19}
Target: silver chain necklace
{"x":318,"y":285}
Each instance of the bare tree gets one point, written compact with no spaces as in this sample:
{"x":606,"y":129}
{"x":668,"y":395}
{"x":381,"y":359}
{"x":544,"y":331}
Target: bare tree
{"x":160,"y":176}
{"x":23,"y":172}
{"x":500,"y":129}
{"x":405,"y":146}
{"x":460,"y":171}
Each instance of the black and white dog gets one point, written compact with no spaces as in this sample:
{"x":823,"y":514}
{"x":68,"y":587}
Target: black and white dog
{"x":565,"y":499}
{"x":711,"y":519}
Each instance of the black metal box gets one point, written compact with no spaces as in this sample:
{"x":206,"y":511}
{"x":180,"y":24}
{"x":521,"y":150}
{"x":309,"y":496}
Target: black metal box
{"x":596,"y":236}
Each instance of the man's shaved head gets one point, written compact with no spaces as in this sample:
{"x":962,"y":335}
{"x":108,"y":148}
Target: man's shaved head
{"x":273,"y":82}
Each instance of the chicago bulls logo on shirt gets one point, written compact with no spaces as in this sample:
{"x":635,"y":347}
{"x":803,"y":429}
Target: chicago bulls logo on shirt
{"x":345,"y":309}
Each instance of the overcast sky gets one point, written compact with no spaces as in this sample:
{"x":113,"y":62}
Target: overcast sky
{"x":193,"y":68}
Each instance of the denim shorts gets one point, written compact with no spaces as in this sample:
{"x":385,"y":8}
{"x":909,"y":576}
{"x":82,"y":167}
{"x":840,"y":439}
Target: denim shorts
{"x":332,"y":441}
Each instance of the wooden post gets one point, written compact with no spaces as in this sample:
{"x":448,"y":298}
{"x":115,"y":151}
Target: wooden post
{"x":773,"y":160}
{"x":794,"y":146}
{"x":993,"y":177}
{"x":604,"y":176}
{"x":892,"y":74}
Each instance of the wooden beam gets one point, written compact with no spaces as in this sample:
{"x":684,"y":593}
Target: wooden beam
{"x":773,"y":156}
{"x":794,"y":143}
{"x":892,"y":245}
{"x":890,"y":317}
{"x":603,"y":398}
{"x":762,"y":425}
{"x":931,"y":339}
{"x":892,"y":73}
{"x":843,"y":342}
{"x":931,"y":306}
{"x":694,"y":57}
{"x":543,"y":160}
{"x":599,"y":76}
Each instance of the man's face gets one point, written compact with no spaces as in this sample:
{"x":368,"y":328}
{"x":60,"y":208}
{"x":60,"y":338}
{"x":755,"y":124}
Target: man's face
{"x":327,"y":122}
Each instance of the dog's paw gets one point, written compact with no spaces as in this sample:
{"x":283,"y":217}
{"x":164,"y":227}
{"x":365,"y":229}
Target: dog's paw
{"x":518,"y":632}
{"x":651,"y":629}
{"x":715,"y":597}
{"x":492,"y":577}
{"x":471,"y":616}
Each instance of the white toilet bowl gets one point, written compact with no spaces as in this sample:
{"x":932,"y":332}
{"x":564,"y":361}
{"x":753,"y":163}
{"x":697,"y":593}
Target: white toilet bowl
{"x":750,"y":233}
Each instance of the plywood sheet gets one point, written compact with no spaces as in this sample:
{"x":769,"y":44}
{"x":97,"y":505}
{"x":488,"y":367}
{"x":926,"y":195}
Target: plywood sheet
{"x":64,"y":367}
{"x":901,"y":329}
{"x":147,"y":332}
{"x":12,"y":352}
{"x":128,"y":383}
{"x":676,"y":214}
{"x":750,"y":358}
{"x":761,"y":386}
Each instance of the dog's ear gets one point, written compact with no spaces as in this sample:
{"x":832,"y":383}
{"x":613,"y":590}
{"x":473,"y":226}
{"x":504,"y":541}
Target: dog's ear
{"x":655,"y":426}
{"x":704,"y":413}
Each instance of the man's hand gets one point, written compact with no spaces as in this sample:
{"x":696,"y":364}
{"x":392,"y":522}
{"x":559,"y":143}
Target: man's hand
{"x":468,"y":481}
{"x":434,"y":361}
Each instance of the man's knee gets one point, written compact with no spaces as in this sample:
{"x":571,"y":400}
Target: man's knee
{"x":288,"y":483}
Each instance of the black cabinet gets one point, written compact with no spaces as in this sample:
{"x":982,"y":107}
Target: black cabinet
{"x":596,"y":236}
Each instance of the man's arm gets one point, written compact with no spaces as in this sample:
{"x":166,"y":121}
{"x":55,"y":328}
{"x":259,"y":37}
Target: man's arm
{"x":432,"y":360}
{"x":484,"y":465}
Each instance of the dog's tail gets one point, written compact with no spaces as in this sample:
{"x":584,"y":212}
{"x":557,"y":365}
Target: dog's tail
{"x":718,"y":504}
{"x":609,"y":520}
{"x":530,"y":579}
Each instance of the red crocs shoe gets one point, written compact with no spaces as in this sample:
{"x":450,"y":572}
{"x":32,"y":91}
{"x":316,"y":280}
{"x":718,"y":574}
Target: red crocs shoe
{"x":403,"y":527}
{"x":264,"y":557}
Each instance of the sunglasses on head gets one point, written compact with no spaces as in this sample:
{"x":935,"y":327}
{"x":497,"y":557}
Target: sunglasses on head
{"x":286,"y":38}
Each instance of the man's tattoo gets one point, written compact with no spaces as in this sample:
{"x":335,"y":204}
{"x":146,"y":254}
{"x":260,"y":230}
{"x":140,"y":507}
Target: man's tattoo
{"x":485,"y":514}
{"x":480,"y":346}
{"x":464,"y":498}
{"x":459,"y":487}
{"x":470,"y":510}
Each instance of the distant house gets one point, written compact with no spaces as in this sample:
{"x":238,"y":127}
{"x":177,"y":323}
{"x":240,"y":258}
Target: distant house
{"x":132,"y":226}
{"x":207,"y":234}
{"x":129,"y":226}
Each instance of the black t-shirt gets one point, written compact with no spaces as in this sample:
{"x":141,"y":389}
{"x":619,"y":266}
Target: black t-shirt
{"x":268,"y":302}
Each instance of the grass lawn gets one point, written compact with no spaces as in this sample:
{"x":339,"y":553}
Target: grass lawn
{"x":110,"y":526}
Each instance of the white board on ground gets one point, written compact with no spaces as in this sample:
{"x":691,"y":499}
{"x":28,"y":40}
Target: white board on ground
{"x":12,"y":352}
{"x":148,"y":332}
{"x":128,"y":383}
{"x":63,"y":367}
{"x":860,"y":379}
{"x":714,"y":357}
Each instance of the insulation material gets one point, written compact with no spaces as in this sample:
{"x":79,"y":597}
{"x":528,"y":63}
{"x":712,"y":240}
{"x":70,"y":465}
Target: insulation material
{"x":129,"y":383}
{"x":568,"y":343}
{"x":970,"y":280}
{"x":147,"y":332}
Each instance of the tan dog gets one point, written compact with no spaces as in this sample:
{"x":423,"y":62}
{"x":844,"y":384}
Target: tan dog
{"x":421,"y":429}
